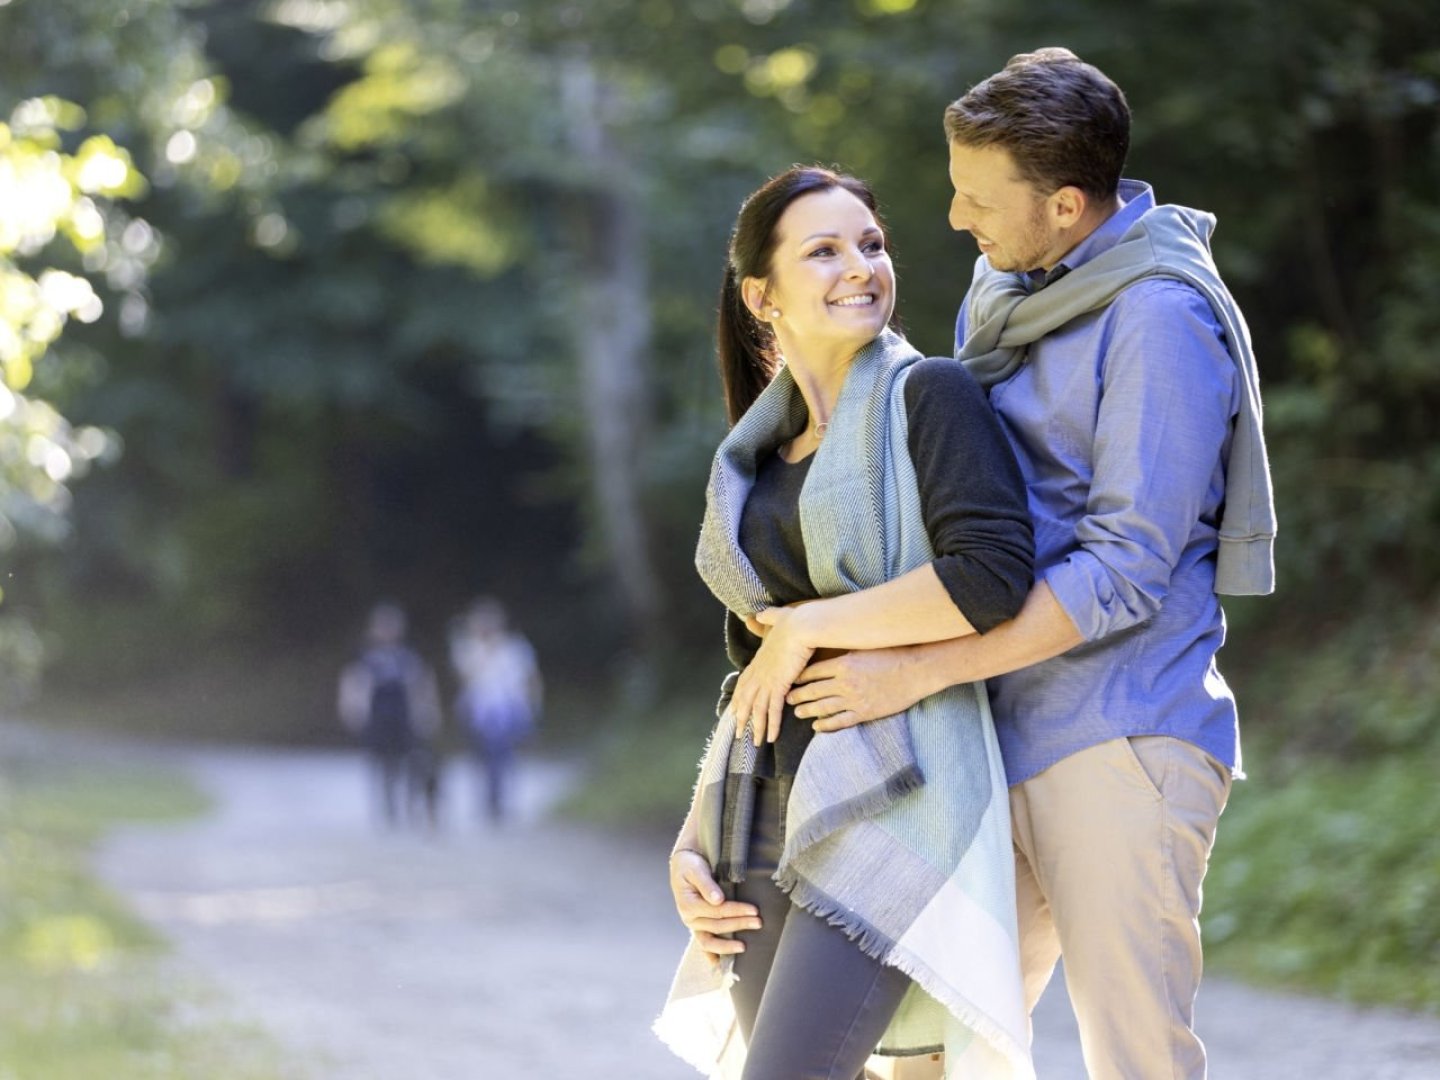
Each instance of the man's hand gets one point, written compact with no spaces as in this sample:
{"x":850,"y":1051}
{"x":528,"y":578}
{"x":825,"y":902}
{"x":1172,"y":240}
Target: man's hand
{"x":857,"y":687}
{"x":703,"y":907}
{"x":867,"y":685}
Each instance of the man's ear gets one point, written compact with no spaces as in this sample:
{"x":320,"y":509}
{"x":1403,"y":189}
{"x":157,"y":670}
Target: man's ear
{"x":752,"y":291}
{"x":1067,"y":206}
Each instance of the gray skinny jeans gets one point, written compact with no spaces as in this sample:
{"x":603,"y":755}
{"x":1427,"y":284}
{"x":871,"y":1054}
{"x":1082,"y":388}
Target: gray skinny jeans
{"x":812,"y":1006}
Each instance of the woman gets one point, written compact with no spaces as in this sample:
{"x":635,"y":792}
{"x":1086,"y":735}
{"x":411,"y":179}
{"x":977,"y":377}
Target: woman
{"x":869,"y":870}
{"x":500,"y":697}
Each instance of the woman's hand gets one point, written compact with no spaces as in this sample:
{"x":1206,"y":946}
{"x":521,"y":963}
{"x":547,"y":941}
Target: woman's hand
{"x":759,"y":698}
{"x":703,"y":907}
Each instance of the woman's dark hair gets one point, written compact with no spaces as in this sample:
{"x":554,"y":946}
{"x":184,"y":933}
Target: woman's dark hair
{"x":1063,"y":121}
{"x":745,"y":345}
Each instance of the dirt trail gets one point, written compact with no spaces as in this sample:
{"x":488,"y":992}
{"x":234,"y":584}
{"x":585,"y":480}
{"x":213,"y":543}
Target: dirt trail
{"x":540,"y":950}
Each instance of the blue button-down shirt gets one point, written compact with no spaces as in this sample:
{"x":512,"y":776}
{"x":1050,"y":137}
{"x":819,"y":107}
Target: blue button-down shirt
{"x":1121,"y":421}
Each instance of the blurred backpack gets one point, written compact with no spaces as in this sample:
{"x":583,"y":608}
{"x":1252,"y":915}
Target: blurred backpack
{"x":388,"y":727}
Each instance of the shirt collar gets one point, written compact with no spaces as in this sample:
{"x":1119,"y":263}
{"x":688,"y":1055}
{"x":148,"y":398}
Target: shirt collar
{"x":1136,"y":198}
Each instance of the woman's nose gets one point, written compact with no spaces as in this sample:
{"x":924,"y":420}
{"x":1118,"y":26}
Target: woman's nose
{"x":858,"y":266}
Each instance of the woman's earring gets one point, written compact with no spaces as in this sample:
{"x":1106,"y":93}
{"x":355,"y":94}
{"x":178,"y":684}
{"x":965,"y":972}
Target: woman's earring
{"x":774,"y":313}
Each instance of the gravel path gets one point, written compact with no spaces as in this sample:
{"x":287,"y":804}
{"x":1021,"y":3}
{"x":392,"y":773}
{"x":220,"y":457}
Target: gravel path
{"x":540,"y":950}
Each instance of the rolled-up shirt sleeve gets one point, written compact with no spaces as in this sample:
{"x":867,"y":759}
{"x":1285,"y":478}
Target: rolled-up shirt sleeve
{"x":1167,"y":401}
{"x":972,"y":494}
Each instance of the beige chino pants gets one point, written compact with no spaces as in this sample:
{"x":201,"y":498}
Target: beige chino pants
{"x":1111,"y":847}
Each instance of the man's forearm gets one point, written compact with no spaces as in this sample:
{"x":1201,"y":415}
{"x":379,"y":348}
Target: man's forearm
{"x":1040,"y":631}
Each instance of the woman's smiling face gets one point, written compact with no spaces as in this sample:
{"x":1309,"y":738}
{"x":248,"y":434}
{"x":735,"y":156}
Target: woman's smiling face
{"x":830,"y":277}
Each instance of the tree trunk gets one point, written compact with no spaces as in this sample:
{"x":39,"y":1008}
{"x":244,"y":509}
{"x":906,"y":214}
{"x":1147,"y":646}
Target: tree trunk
{"x":611,"y":334}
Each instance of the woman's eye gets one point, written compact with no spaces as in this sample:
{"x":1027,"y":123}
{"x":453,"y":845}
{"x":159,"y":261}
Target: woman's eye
{"x":822,"y":251}
{"x":875,"y":247}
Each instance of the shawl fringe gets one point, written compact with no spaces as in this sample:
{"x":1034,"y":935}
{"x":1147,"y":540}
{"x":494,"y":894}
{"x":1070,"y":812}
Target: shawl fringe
{"x":806,"y":834}
{"x":806,"y":895}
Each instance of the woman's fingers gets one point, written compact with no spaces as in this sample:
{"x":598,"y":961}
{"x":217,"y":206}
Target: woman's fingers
{"x":763,"y":714}
{"x":701,"y":902}
{"x":693,"y":883}
{"x":742,"y":701}
{"x":776,"y":714}
{"x":759,"y":697}
{"x":734,"y":924}
{"x":718,"y":946}
{"x":766,"y":715}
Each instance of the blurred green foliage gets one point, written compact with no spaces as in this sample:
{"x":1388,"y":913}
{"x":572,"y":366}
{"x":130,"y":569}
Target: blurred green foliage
{"x":338,"y":337}
{"x":1326,"y":872}
{"x":47,"y":196}
{"x":644,"y":764}
{"x":1330,"y":880}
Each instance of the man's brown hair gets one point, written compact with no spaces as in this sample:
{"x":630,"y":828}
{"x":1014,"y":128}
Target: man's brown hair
{"x":1062,"y":121}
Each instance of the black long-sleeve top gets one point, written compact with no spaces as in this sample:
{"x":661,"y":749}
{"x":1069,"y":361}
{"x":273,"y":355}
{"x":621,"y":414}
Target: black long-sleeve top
{"x":972,"y":497}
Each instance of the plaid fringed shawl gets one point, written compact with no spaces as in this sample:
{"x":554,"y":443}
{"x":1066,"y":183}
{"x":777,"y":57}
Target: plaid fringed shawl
{"x":898,"y":830}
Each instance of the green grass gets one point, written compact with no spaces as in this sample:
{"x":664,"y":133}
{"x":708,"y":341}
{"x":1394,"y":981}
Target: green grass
{"x":84,"y":990}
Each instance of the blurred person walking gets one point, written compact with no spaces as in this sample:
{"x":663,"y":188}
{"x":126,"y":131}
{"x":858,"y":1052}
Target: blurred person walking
{"x":501,"y":693}
{"x":387,"y":697}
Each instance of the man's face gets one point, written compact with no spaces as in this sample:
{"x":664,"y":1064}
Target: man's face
{"x":1009,"y":219}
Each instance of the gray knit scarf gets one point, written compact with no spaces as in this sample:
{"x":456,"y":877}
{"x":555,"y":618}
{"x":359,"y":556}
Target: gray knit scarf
{"x":849,"y":514}
{"x":1003,"y":317}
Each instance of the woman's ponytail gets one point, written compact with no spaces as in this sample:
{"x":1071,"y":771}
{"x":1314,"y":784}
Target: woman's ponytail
{"x":744,"y":348}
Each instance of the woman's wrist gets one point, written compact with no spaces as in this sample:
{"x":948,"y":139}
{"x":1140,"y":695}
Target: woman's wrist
{"x":803,"y":623}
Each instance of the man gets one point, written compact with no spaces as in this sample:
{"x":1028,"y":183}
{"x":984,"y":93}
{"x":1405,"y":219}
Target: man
{"x":1122,"y":373}
{"x":387,"y":698}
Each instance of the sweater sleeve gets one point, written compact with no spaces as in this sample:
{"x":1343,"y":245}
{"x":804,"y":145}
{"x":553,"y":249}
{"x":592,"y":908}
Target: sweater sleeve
{"x":971,"y":493}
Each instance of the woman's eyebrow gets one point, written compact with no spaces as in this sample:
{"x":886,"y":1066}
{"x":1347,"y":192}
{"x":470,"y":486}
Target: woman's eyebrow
{"x":872,"y":230}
